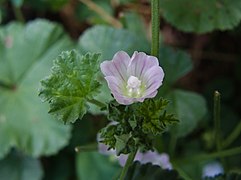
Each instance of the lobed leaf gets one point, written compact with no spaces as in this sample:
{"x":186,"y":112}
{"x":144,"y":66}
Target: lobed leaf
{"x":26,"y":53}
{"x":71,"y":85}
{"x":202,"y":16}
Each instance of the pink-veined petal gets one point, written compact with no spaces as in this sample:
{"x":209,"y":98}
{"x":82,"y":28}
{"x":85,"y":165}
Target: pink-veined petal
{"x":140,"y":63}
{"x":117,"y":67}
{"x":153,"y":78}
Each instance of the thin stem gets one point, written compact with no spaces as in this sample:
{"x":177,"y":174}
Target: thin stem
{"x":18,"y":14}
{"x":235,"y":133}
{"x":217,"y":120}
{"x":97,"y":103}
{"x":129,"y":161}
{"x":155,"y":27}
{"x":220,"y":154}
{"x":86,"y":148}
{"x":101,"y":12}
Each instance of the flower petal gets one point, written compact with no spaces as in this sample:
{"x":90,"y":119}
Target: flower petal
{"x":117,"y":67}
{"x":153,"y":79}
{"x":140,"y":63}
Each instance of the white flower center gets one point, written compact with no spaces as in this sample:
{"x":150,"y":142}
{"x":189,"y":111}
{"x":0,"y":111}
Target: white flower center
{"x":133,"y":86}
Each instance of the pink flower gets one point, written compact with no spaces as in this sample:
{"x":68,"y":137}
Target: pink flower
{"x":132,"y":79}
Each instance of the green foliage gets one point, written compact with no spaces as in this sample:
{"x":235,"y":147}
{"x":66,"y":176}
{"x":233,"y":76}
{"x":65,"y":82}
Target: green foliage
{"x":148,"y":171}
{"x":107,"y":41}
{"x":17,"y":166}
{"x":136,"y":125}
{"x":202,"y":16}
{"x":71,"y":85}
{"x":26,"y":53}
{"x":94,"y":166}
{"x":189,"y":107}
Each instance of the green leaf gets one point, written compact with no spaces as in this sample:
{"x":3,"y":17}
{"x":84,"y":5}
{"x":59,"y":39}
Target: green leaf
{"x":26,"y":53}
{"x":94,"y":166}
{"x":17,"y":166}
{"x":71,"y":85}
{"x":189,"y":107}
{"x":121,"y":142}
{"x":107,"y":41}
{"x":175,"y":63}
{"x":148,"y":171}
{"x":202,"y":16}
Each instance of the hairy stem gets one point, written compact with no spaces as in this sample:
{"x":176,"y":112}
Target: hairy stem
{"x":155,"y":27}
{"x":129,"y":161}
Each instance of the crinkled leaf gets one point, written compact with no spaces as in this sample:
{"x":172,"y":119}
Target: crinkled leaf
{"x":175,"y":63}
{"x":136,"y":125}
{"x":202,"y":16}
{"x":17,"y":166}
{"x":95,"y":166}
{"x":71,"y":85}
{"x":189,"y":107}
{"x":108,"y":41}
{"x":26,"y":54}
{"x":148,"y":171}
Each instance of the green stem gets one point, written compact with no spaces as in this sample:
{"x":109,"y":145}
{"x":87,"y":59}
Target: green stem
{"x":129,"y":161}
{"x":235,"y":133}
{"x":155,"y":27}
{"x":86,"y":148}
{"x":18,"y":14}
{"x":202,"y":157}
{"x":97,"y":103}
{"x":217,"y":120}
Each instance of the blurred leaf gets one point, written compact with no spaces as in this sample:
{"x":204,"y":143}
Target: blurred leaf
{"x":17,"y":3}
{"x":175,"y":63}
{"x":202,"y":16}
{"x":134,"y":23}
{"x":189,"y":107}
{"x":16,"y":166}
{"x":107,"y":41}
{"x":95,"y":166}
{"x":26,"y":57}
{"x":71,"y":85}
{"x":148,"y":171}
